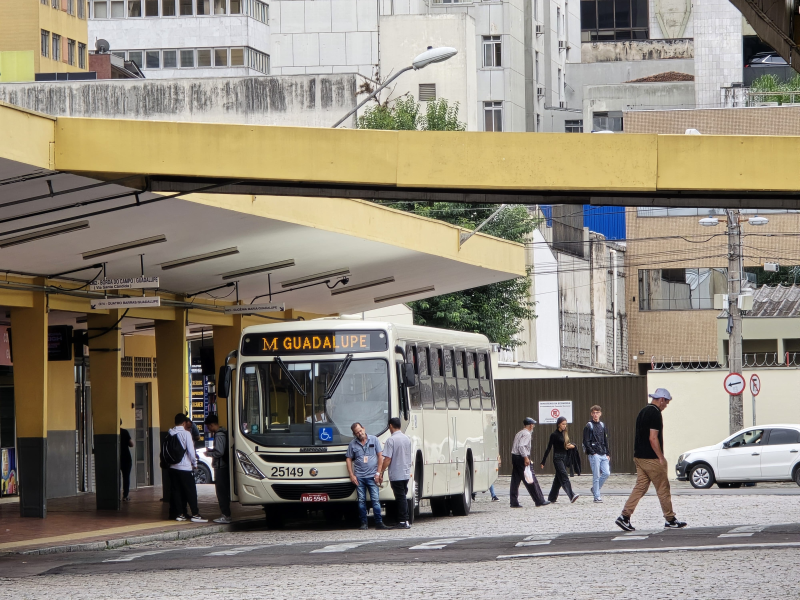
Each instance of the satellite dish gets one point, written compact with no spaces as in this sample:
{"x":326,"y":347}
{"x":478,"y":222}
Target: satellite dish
{"x":102,"y":46}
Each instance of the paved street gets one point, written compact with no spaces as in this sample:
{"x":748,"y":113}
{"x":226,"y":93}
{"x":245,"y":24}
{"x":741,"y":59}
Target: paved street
{"x":734,"y":541}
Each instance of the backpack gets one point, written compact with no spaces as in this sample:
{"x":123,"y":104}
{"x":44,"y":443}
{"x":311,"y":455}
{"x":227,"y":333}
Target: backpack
{"x":172,"y":450}
{"x":591,"y":427}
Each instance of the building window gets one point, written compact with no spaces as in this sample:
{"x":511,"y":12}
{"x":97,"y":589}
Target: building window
{"x":135,"y":56}
{"x":56,"y":4}
{"x":538,"y":122}
{"x":257,"y":60}
{"x":427,"y":92}
{"x":45,"y":2}
{"x":117,"y":10}
{"x":681,"y":289}
{"x":134,"y":8}
{"x":607,"y":20}
{"x":219,"y":7}
{"x":492,"y":51}
{"x":560,"y":85}
{"x":101,"y":10}
{"x":204,"y":58}
{"x":81,"y":56}
{"x":256,"y":9}
{"x":559,"y":29}
{"x":170,"y":59}
{"x":81,"y":9}
{"x":70,"y":7}
{"x":187,"y":59}
{"x":221,"y":57}
{"x":45,"y":43}
{"x":186,"y":7}
{"x":152,"y":59}
{"x":573,"y":126}
{"x":56,"y":47}
{"x":493,"y":116}
{"x":203,"y":7}
{"x":167,"y":8}
{"x":236,"y":7}
{"x":71,"y":52}
{"x":607,"y":121}
{"x":237,"y":57}
{"x":150,"y":8}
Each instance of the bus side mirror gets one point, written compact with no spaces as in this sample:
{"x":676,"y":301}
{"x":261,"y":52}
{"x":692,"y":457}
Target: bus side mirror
{"x":408,"y":374}
{"x":224,"y":381}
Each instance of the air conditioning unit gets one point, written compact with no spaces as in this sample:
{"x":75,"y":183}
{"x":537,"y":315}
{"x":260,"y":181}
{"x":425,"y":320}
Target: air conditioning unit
{"x":773,"y":267}
{"x":562,"y":104}
{"x":540,"y":91}
{"x":539,"y":29}
{"x":562,"y":44}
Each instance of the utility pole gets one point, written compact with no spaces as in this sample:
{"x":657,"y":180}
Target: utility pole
{"x":736,"y":407}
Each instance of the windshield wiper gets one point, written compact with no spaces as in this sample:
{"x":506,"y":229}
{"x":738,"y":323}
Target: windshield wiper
{"x":337,"y":377}
{"x":290,"y":377}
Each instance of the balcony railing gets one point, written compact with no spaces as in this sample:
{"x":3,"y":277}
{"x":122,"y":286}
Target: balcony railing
{"x":737,"y":97}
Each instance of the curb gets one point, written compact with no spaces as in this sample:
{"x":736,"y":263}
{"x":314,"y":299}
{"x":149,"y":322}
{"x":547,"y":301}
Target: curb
{"x":128,"y":541}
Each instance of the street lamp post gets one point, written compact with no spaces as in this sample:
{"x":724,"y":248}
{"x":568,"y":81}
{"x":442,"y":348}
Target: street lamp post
{"x":430,"y":56}
{"x":735,"y":267}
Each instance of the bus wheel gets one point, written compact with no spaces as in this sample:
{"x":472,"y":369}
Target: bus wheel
{"x":417,"y":492}
{"x":463,"y":502}
{"x":439,"y":507}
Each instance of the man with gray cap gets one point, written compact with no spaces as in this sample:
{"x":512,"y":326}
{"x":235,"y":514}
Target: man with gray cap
{"x":520,"y":458}
{"x":651,"y":466}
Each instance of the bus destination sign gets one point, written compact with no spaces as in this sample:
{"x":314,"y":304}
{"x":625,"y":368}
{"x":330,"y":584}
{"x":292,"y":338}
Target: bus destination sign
{"x":313,"y":342}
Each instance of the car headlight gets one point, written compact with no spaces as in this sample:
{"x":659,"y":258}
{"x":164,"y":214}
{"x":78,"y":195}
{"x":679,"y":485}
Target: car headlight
{"x":248,"y":467}
{"x":680,"y":458}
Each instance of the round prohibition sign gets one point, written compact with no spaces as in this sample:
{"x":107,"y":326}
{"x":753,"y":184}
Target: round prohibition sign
{"x":755,"y":385}
{"x":734,"y":384}
{"x":555,"y":413}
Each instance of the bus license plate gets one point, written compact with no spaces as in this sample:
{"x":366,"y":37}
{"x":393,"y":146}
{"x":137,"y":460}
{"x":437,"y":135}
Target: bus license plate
{"x":314,"y":497}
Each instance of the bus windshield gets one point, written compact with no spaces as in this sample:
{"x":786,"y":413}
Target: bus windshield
{"x":276,"y":413}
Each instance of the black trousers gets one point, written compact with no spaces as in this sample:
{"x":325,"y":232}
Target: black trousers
{"x":223,"y":489}
{"x":518,"y":476}
{"x":561,"y":479}
{"x":400,"y":489}
{"x":182,"y":491}
{"x":126,"y":478}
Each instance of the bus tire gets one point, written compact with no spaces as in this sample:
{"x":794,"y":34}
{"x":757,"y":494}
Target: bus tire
{"x":416,"y":494}
{"x":462,"y":503}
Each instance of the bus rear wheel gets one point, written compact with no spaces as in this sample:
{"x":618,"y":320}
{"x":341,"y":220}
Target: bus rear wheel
{"x":462,"y":503}
{"x":416,"y":498}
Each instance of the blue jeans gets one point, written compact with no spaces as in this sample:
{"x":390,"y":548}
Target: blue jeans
{"x":491,"y":491}
{"x":363,"y":484}
{"x":600,"y":472}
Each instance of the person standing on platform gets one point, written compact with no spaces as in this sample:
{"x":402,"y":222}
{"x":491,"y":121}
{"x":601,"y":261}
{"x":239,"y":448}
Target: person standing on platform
{"x":181,"y":474}
{"x":559,"y":443}
{"x":220,"y":464}
{"x":364,"y":455}
{"x":520,"y":458}
{"x":125,"y":460}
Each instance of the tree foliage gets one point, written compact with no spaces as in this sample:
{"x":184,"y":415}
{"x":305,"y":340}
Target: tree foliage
{"x":771,"y":83}
{"x":496,"y":310}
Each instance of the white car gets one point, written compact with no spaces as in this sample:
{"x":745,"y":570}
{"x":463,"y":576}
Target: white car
{"x":762,"y":453}
{"x":204,"y":472}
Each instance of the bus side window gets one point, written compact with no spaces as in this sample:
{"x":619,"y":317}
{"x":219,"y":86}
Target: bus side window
{"x":474,"y":388}
{"x":425,"y":384}
{"x":487,"y":400}
{"x":450,"y":379}
{"x":462,"y":382}
{"x":437,"y":368}
{"x":411,"y":356}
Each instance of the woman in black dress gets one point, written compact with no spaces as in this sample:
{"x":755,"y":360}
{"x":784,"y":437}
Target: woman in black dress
{"x":559,"y":444}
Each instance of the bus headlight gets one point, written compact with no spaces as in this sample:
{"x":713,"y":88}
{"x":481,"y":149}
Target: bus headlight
{"x":248,"y":467}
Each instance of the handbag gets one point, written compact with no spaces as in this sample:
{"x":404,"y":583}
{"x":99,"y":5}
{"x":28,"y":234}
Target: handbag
{"x":528,"y":475}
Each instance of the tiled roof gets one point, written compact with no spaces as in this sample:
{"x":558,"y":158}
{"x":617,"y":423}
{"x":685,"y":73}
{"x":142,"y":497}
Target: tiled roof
{"x":664,"y":77}
{"x":779,"y":301}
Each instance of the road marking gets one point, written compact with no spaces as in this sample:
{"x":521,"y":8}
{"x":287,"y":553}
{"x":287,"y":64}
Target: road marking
{"x":537,"y":540}
{"x":743,"y":531}
{"x":342,"y":547}
{"x":664,"y":549}
{"x":235,"y":551}
{"x":533,"y":543}
{"x":629,"y":538}
{"x":131,"y":557}
{"x":437,"y":544}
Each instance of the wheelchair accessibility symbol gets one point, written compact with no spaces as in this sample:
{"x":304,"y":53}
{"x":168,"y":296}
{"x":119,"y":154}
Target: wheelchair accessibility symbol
{"x":325,"y":434}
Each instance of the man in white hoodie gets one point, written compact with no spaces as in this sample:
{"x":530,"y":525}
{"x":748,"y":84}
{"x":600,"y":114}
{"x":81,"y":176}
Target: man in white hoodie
{"x":181,"y":474}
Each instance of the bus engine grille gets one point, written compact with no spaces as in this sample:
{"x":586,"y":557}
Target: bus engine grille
{"x":335,"y":491}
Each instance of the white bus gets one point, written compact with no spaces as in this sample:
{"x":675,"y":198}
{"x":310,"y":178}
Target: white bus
{"x":298,"y":387}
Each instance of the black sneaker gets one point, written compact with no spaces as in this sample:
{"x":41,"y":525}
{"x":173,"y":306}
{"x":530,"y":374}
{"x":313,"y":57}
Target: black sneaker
{"x":674,"y":524}
{"x":402,"y":525}
{"x":624,"y":523}
{"x":495,"y":499}
{"x":364,"y":527}
{"x":516,"y":506}
{"x":381,"y":526}
{"x":545,"y":503}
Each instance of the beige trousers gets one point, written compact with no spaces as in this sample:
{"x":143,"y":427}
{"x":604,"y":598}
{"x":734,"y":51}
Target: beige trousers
{"x":650,"y":470}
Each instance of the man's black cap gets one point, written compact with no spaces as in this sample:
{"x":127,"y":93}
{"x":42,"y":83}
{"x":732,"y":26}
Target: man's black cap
{"x":529,"y":421}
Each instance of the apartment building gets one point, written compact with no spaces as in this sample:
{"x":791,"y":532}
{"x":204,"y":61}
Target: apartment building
{"x":170,"y":39}
{"x":53,"y":31}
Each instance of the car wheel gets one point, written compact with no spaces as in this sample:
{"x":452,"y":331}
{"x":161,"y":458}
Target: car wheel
{"x":202,"y":474}
{"x":797,"y":475}
{"x":701,"y":477}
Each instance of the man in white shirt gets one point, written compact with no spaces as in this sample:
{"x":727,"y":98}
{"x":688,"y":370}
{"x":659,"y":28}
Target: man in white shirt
{"x":397,"y":460}
{"x":181,"y":474}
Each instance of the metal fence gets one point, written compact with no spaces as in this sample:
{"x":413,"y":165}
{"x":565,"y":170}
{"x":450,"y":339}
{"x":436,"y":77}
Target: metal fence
{"x":704,"y":363}
{"x":621,"y":398}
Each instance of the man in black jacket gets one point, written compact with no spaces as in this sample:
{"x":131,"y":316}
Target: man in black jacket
{"x":220,"y":462}
{"x":595,"y":444}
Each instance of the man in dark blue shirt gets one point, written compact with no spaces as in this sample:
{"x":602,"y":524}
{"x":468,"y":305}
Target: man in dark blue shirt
{"x":595,"y":444}
{"x":363,"y":457}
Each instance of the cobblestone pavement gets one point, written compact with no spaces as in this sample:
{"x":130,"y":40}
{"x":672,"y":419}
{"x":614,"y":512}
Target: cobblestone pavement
{"x":685,"y":575}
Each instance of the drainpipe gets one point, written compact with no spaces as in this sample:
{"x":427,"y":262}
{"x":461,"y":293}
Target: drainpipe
{"x":613,"y":254}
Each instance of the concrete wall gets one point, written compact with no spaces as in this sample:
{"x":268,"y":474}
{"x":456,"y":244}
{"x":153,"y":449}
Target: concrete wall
{"x":545,"y":294}
{"x":635,"y":50}
{"x":698,"y":413}
{"x":718,"y":49}
{"x":772,"y":120}
{"x":405,"y":36}
{"x":303,"y":101}
{"x":61,"y":429}
{"x":624,"y":96}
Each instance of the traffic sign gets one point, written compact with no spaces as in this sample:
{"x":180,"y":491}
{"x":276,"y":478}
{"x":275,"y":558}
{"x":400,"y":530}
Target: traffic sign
{"x":734,"y":384}
{"x":755,"y":384}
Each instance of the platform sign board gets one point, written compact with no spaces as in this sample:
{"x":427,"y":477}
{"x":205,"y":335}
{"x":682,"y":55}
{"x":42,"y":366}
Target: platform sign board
{"x":551,"y":410}
{"x":247,"y":309}
{"x":734,"y":384}
{"x":124,"y":283}
{"x":138,"y":302}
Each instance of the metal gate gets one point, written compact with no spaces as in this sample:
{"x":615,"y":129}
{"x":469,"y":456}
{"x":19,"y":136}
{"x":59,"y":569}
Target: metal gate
{"x":620,"y":397}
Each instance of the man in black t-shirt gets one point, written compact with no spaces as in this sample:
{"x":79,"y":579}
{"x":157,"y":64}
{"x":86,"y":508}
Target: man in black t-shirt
{"x":648,"y":455}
